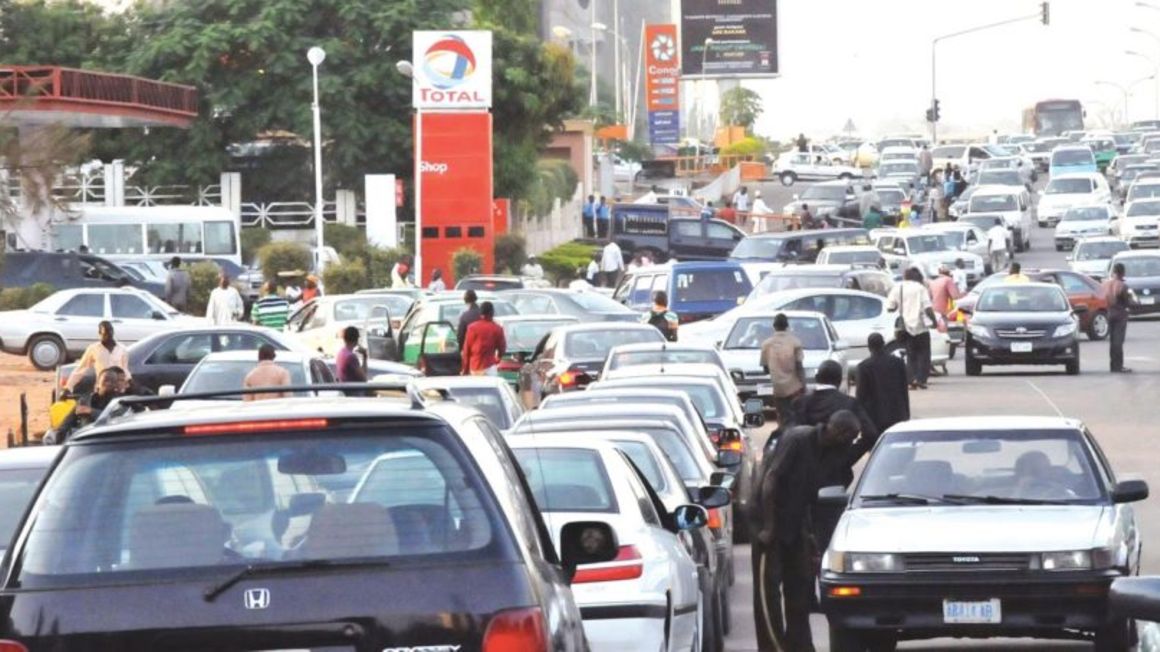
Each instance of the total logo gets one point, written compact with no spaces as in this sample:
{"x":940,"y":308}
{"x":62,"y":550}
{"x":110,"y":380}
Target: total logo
{"x":448,"y":64}
{"x":663,"y":48}
{"x":433,"y":168}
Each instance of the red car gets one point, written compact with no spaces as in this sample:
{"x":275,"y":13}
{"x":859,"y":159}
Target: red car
{"x":1081,"y":291}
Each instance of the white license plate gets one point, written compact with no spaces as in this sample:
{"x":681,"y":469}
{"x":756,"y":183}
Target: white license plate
{"x":765,"y":390}
{"x":1147,"y":301}
{"x":989,"y":612}
{"x":1021,"y":347}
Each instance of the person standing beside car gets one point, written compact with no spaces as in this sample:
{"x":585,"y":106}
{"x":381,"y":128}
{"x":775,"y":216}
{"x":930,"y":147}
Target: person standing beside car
{"x":485,"y":344}
{"x":997,"y":245}
{"x":912,"y":301}
{"x":661,"y":317}
{"x":270,"y":310}
{"x":1119,"y":297}
{"x":100,"y":355}
{"x":469,"y":317}
{"x":611,"y":264}
{"x":177,"y":284}
{"x":268,"y":373}
{"x":225,"y":303}
{"x":783,"y":357}
{"x":881,"y":387}
{"x":348,"y":369}
{"x":944,"y":291}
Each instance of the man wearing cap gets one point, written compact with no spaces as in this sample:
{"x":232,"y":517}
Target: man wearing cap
{"x":943,"y":291}
{"x":311,"y":291}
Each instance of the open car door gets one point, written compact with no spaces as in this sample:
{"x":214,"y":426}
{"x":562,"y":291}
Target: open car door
{"x":380,"y":335}
{"x":439,"y":350}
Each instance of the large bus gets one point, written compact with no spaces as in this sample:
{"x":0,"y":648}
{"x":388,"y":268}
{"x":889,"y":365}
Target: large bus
{"x":1053,"y":117}
{"x":131,"y":233}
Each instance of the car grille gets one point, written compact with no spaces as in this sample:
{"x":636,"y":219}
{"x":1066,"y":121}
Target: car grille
{"x":1020,"y":335}
{"x":965,"y":561}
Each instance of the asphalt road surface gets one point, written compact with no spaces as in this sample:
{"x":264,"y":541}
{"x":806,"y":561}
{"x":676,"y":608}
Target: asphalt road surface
{"x":1119,"y":409}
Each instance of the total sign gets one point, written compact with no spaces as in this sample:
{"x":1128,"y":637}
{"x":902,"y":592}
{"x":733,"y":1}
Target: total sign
{"x":452,"y":70}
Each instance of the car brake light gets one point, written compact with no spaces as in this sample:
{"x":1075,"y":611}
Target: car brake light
{"x":12,"y":646}
{"x":715,"y":522}
{"x":248,"y":427}
{"x":628,"y":565}
{"x":734,"y":445}
{"x":845,"y":592}
{"x":715,"y":435}
{"x":516,"y":629}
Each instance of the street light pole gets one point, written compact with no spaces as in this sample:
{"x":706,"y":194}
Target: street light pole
{"x":1155,"y":68}
{"x":1122,"y":90}
{"x":592,"y":53}
{"x":316,"y":56}
{"x":616,"y":75}
{"x":406,"y":69}
{"x":701,"y":94}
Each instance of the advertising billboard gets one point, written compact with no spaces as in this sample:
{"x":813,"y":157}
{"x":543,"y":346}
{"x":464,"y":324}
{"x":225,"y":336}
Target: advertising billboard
{"x":662,"y":76}
{"x":729,"y":38}
{"x":452,"y":70}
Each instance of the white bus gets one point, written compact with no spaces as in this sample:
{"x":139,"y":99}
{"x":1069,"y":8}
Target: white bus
{"x":125,"y":233}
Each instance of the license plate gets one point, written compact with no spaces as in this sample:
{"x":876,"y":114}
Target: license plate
{"x":1021,"y":347}
{"x":1147,"y":301}
{"x":989,"y":612}
{"x":765,"y":390}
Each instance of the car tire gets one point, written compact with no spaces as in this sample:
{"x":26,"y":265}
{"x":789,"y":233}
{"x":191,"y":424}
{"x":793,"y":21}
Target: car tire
{"x":788,"y":178}
{"x":47,"y":352}
{"x":846,"y":176}
{"x":974,"y":367}
{"x":1073,"y":366}
{"x":1118,"y":637}
{"x":1099,"y":327}
{"x":845,"y":640}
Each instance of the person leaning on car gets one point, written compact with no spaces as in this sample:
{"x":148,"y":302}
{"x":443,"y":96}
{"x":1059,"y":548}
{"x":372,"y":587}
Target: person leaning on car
{"x":782,"y":356}
{"x":784,"y":548}
{"x":1119,"y":298}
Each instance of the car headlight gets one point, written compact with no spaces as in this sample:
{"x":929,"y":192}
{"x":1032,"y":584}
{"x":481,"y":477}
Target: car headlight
{"x":1064,"y":330}
{"x":1072,"y":560}
{"x":864,"y":562}
{"x":978,"y":331}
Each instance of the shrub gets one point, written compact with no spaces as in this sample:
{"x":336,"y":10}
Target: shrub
{"x":203,"y":278}
{"x":565,"y":261}
{"x":346,"y":239}
{"x":252,"y":240}
{"x":378,"y":262}
{"x":748,"y":146}
{"x":22,"y":298}
{"x":465,"y":262}
{"x":346,"y":277}
{"x":284,"y":257}
{"x":511,"y":252}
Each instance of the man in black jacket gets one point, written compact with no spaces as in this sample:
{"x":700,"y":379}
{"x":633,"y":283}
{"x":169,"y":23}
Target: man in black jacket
{"x":784,"y":549}
{"x":470,"y":315}
{"x":882,"y":385}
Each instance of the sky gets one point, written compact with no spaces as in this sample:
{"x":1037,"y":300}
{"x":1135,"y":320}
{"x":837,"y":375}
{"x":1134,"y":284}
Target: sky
{"x":869,"y":61}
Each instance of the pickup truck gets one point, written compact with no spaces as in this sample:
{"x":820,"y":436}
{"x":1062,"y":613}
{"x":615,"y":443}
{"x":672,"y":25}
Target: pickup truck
{"x":653,"y":230}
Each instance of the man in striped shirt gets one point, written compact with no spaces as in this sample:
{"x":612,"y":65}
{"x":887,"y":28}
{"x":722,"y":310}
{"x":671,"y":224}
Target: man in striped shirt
{"x":270,"y":310}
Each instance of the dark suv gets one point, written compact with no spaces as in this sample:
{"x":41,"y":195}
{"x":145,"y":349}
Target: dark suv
{"x":335,"y":523}
{"x":67,"y":271}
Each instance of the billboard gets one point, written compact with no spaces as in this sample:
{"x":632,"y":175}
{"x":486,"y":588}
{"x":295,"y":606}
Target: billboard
{"x":743,"y":33}
{"x":662,"y":68}
{"x":452,"y":70}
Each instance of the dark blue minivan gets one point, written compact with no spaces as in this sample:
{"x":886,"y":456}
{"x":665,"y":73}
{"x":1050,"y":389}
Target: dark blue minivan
{"x":696,"y":290}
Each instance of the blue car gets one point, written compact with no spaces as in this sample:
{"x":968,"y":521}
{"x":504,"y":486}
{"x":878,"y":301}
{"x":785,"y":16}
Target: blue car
{"x":1072,"y":158}
{"x":696,"y":290}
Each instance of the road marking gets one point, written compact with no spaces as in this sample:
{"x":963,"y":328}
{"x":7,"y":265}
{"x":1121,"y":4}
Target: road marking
{"x":1047,"y":398}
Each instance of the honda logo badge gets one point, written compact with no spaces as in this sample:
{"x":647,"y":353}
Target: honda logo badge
{"x":257,"y":598}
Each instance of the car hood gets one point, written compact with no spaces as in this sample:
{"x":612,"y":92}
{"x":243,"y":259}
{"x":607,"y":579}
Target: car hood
{"x":1082,"y":226}
{"x":1060,"y":201}
{"x":947,"y":257}
{"x":1096,"y":267}
{"x":971,"y":528}
{"x":1027,"y":319}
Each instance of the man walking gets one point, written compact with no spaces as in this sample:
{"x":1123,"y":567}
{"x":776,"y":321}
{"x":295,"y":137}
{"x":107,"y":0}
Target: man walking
{"x":782,"y":356}
{"x":783,"y":548}
{"x":469,"y":316}
{"x":912,"y":301}
{"x":177,"y":284}
{"x":663,"y":319}
{"x":882,"y":384}
{"x":100,"y":355}
{"x":1119,"y":298}
{"x":270,"y":310}
{"x":997,"y":245}
{"x":485,"y":345}
{"x":225,"y":304}
{"x":944,"y":291}
{"x":611,"y":264}
{"x":729,"y":214}
{"x":741,"y":200}
{"x":925,"y":162}
{"x":268,"y":373}
{"x":588,"y":217}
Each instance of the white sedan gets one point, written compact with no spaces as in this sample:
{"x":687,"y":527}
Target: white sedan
{"x":742,"y":348}
{"x":794,"y":166}
{"x":649,"y":597}
{"x":318,"y":324}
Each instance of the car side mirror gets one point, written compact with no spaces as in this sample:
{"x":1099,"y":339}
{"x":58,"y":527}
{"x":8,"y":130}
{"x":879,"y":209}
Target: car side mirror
{"x":713,"y":496}
{"x":899,"y":251}
{"x":722,"y":479}
{"x":753,"y":406}
{"x":754,"y":420}
{"x":158,"y":315}
{"x":690,"y":517}
{"x":835,"y":496}
{"x":1130,"y":491}
{"x":586,"y":542}
{"x":728,"y":458}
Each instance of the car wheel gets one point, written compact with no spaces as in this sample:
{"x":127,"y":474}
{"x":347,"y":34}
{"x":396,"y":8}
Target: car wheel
{"x":974,"y":367}
{"x":788,"y":178}
{"x":846,"y":176}
{"x":1099,"y":327}
{"x":46,"y":352}
{"x":1118,"y":637}
{"x":1073,"y":366}
{"x":845,"y":640}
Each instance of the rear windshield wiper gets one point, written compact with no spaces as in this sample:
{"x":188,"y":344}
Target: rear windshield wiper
{"x":274,"y":568}
{"x":905,"y":499}
{"x":1001,"y":500}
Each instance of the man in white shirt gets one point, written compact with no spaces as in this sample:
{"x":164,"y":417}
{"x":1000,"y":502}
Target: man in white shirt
{"x":611,"y":264}
{"x":741,"y":200}
{"x":959,"y":275}
{"x":912,"y":301}
{"x":99,"y":356}
{"x":997,"y":246}
{"x":592,"y":274}
{"x":225,"y":303}
{"x":532,"y":268}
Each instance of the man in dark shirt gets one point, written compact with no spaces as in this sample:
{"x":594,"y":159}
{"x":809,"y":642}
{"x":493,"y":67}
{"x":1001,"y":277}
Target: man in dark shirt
{"x":784,"y":548}
{"x":485,"y":344}
{"x":882,"y":385}
{"x":348,"y":367}
{"x":469,"y":317}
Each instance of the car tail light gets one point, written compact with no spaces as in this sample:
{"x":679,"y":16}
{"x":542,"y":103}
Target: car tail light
{"x":250,"y":427}
{"x":572,"y":377}
{"x":12,"y":646}
{"x":715,"y":520}
{"x":516,"y":629}
{"x":729,"y":439}
{"x":715,"y":435}
{"x":845,"y":592}
{"x":628,"y":565}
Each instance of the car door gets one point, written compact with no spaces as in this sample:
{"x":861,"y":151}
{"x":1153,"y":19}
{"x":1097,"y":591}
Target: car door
{"x":78,"y":318}
{"x":1081,"y":293}
{"x":720,"y":240}
{"x":687,"y":240}
{"x":855,"y":317}
{"x":134,"y":318}
{"x":379,"y":336}
{"x":173,"y":359}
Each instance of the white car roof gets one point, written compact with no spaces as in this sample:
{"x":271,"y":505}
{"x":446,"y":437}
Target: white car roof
{"x":27,"y":457}
{"x":849,"y":248}
{"x":1136,"y":253}
{"x":1091,"y":176}
{"x":991,"y":191}
{"x":560,"y":440}
{"x":996,"y":424}
{"x":700,"y":371}
{"x":460,"y":382}
{"x":1103,"y":238}
{"x":252,"y":356}
{"x":659,"y":346}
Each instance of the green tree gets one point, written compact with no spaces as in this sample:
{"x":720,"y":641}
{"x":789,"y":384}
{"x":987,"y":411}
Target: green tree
{"x":741,"y":107}
{"x":72,"y":33}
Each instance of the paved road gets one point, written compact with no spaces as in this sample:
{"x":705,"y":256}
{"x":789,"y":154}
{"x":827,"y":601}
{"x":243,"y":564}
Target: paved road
{"x":1117,"y":408}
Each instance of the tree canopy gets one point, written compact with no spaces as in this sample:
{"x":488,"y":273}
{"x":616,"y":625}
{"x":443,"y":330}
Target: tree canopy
{"x":741,"y":107}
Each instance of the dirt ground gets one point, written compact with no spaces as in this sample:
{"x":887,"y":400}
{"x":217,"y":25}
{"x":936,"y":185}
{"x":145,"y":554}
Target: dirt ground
{"x":18,"y":376}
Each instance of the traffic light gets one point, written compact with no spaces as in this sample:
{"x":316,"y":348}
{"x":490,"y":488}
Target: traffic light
{"x":934,"y":113}
{"x":1046,"y":7}
{"x":930,"y":115}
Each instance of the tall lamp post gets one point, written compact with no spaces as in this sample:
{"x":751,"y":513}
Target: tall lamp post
{"x":701,"y":91}
{"x":316,"y":56}
{"x":1122,"y":90}
{"x":407,"y":70}
{"x":1155,"y":67}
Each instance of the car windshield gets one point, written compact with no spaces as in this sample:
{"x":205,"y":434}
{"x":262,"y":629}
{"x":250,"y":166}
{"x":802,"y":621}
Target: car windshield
{"x":1100,"y":250}
{"x":890,"y":196}
{"x":622,"y":359}
{"x":778,"y":282}
{"x":227,"y":375}
{"x":1085,"y":214}
{"x":1144,"y":191}
{"x":595,"y":344}
{"x":751,"y":332}
{"x":714,"y":285}
{"x":985,"y":203}
{"x":487,"y":400}
{"x":999,"y":164}
{"x":954,"y":238}
{"x":899,"y":168}
{"x":357,"y":310}
{"x":187,"y":506}
{"x":950,"y":151}
{"x":821,"y":192}
{"x":1008,"y":297}
{"x":16,"y":489}
{"x":1036,"y":148}
{"x":868,"y":257}
{"x":1069,"y":187}
{"x":567,"y":479}
{"x":1073,"y":157}
{"x":895,"y":142}
{"x":1143,"y":208}
{"x":989,"y":466}
{"x":1000,"y":178}
{"x":925,"y":244}
{"x":592,"y":302}
{"x":450,"y":311}
{"x":1140,"y":266}
{"x":526,"y":335}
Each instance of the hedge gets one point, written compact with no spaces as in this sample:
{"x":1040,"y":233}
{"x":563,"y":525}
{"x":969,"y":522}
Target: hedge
{"x":23,"y":298}
{"x":567,"y":261}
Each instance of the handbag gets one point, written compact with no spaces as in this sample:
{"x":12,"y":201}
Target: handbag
{"x":900,"y":333}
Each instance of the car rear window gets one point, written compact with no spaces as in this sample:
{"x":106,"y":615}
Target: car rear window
{"x":711,"y":285}
{"x":987,"y":203}
{"x":1073,"y":157}
{"x":194,"y":505}
{"x":567,"y":479}
{"x":16,"y":488}
{"x":668,"y":356}
{"x":591,"y":344}
{"x":227,"y":375}
{"x":641,"y":456}
{"x":487,"y":401}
